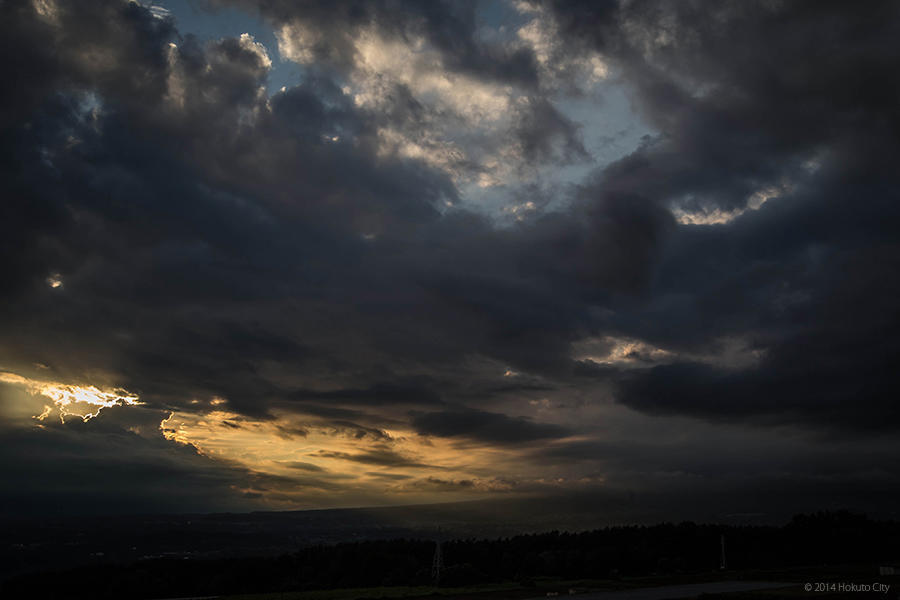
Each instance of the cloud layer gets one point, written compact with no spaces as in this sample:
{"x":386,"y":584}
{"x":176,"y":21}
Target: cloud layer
{"x":415,"y":275}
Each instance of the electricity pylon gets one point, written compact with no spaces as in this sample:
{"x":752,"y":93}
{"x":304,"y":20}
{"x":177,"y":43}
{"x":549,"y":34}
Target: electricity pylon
{"x":437,"y":563}
{"x":723,"y":564}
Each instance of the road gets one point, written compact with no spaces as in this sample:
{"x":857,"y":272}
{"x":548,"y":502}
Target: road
{"x":680,"y":591}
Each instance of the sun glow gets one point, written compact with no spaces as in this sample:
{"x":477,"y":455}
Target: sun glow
{"x":84,"y":402}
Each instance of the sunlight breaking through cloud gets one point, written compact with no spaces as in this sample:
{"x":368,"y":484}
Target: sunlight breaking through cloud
{"x":84,"y":402}
{"x":719,"y":216}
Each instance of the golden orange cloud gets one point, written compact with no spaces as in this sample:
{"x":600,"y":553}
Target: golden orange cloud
{"x":303,"y":460}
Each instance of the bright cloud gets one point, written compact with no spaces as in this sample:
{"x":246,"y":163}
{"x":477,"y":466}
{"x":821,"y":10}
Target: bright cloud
{"x":84,"y":402}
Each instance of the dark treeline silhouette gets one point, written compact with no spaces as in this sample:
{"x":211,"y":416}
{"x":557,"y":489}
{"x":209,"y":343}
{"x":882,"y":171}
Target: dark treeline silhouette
{"x":819,"y":539}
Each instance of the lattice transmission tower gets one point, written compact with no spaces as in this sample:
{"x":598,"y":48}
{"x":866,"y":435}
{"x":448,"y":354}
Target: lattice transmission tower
{"x":437,"y":563}
{"x":723,"y":564}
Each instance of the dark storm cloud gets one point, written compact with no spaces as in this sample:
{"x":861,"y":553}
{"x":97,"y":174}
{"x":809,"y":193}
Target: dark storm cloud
{"x":259,"y":222}
{"x":781,"y":453}
{"x":378,"y":394}
{"x":434,"y":483}
{"x":305,"y":466}
{"x":358,"y":431}
{"x":147,"y":207}
{"x":742,"y":103}
{"x":335,"y":414}
{"x":732,"y":120}
{"x":216,"y":213}
{"x":388,"y":476}
{"x":214,"y":241}
{"x":540,"y":126}
{"x":484,"y":426}
{"x":99,"y":467}
{"x":34,"y":115}
{"x":290,"y":433}
{"x":383,"y":457}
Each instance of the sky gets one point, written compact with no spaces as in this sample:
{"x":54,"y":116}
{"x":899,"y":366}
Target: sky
{"x":286,"y":255}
